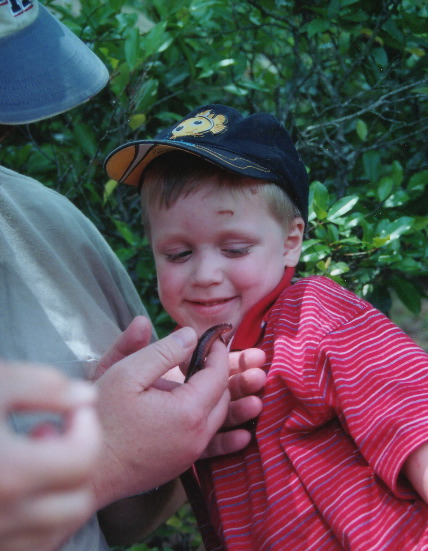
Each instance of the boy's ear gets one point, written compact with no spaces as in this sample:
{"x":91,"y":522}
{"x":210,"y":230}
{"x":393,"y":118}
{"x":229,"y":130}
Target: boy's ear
{"x":293,"y":243}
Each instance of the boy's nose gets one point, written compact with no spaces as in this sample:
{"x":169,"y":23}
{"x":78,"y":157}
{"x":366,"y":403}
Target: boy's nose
{"x":207,"y":271}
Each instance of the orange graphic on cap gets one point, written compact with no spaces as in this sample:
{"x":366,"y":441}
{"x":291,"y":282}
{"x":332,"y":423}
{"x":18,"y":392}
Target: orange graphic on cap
{"x":206,"y":121}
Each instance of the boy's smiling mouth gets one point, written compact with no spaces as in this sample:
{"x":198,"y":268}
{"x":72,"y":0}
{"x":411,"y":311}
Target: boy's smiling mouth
{"x":208,"y":303}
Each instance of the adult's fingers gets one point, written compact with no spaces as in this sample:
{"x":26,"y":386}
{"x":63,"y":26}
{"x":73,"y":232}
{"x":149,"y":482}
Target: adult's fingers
{"x":135,"y":337}
{"x":206,"y":394}
{"x":44,"y":511}
{"x":159,"y":357}
{"x":209,"y":384}
{"x":43,"y":523}
{"x":55,"y":463}
{"x":40,"y":387}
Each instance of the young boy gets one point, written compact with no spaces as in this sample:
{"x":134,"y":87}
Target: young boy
{"x":339,"y":457}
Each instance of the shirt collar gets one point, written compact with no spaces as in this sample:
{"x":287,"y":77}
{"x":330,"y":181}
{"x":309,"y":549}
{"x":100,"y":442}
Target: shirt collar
{"x":252,"y":326}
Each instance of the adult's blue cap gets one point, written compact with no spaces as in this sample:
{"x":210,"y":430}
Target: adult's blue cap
{"x":45,"y":69}
{"x":257,"y":146}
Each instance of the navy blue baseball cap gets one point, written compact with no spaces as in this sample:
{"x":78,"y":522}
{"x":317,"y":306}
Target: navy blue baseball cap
{"x":257,"y":146}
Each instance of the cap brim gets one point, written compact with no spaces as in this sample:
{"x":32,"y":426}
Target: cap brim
{"x":46,"y":70}
{"x":127,"y":163}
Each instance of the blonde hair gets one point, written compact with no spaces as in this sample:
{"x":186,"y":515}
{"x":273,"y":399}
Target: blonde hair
{"x":177,"y":174}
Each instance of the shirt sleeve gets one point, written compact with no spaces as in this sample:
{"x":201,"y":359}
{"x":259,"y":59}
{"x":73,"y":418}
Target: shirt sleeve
{"x":376,"y":379}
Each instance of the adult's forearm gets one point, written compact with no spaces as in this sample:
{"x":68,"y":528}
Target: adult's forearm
{"x":130,"y":520}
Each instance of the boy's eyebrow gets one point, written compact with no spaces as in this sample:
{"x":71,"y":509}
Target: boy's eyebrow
{"x":231,"y":212}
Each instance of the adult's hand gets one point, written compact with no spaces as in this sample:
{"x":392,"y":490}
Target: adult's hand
{"x":135,"y":337}
{"x":45,"y":491}
{"x":246,"y":381}
{"x":154,"y":429}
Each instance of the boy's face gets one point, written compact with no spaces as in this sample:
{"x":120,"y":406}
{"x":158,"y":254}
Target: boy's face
{"x":217,"y":253}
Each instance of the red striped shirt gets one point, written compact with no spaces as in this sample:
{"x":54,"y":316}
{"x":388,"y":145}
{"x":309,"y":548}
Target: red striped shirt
{"x":346,"y":401}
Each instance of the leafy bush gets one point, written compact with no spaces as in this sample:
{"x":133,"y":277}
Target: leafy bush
{"x":348,"y":78}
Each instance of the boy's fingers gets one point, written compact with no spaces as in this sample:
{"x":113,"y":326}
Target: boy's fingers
{"x":247,"y":383}
{"x":243,"y":410}
{"x":246,"y":359}
{"x":227,"y":442}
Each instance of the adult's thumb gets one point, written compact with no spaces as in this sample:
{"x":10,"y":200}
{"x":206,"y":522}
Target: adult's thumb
{"x":164,"y":354}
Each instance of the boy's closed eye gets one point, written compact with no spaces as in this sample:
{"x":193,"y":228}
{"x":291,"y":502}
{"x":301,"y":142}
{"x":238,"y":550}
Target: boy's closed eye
{"x":231,"y":252}
{"x":181,"y":256}
{"x":236,"y":251}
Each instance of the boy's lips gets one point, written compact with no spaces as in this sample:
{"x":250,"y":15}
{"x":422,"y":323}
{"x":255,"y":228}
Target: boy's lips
{"x":212,"y":303}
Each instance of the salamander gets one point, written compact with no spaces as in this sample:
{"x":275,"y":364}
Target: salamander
{"x":188,"y":478}
{"x":202,"y":348}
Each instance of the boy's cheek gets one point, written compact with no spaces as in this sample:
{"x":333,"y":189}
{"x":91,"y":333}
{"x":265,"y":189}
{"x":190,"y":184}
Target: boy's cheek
{"x":168,"y":288}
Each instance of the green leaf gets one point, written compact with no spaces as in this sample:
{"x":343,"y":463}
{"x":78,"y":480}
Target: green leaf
{"x":380,"y":241}
{"x":397,"y":172}
{"x":380,"y":56}
{"x":146,"y":95}
{"x":321,"y":214}
{"x":423,"y":90}
{"x":315,"y":252}
{"x":119,"y":80}
{"x":116,"y":5}
{"x":320,"y":195}
{"x":396,"y":199}
{"x":137,"y":120}
{"x":408,"y":265}
{"x":132,"y":48}
{"x":372,"y":164}
{"x":418,"y":182}
{"x":109,"y":187}
{"x":407,"y":293}
{"x":236,"y":90}
{"x":126,"y":232}
{"x":156,"y":40}
{"x":317,"y":26}
{"x":421,"y":222}
{"x":226,"y":62}
{"x":362,"y":130}
{"x":333,"y":233}
{"x":339,"y":268}
{"x":395,"y":229}
{"x":341,"y":207}
{"x":384,"y":187}
{"x":86,"y":139}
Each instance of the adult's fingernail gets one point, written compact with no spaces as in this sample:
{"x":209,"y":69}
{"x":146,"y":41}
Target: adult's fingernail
{"x":185,"y":336}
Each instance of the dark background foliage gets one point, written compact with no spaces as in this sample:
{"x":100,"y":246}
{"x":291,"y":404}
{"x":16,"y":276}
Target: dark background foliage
{"x":348,"y":78}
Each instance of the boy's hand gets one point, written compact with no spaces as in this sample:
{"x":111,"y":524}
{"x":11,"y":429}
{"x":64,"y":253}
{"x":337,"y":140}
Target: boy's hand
{"x":246,"y":380}
{"x":416,"y":470}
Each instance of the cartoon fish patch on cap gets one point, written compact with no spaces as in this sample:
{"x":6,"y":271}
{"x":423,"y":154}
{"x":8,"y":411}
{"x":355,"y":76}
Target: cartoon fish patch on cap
{"x":206,"y":121}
